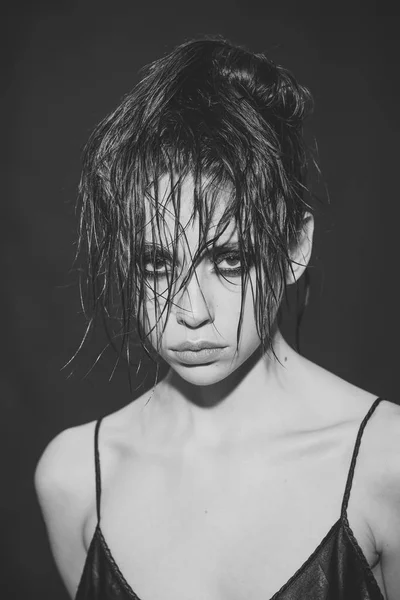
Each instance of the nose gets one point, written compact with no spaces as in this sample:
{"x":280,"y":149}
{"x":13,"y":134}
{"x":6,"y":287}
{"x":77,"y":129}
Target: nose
{"x":194,"y":307}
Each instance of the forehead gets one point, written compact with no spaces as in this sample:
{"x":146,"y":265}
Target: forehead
{"x":173,"y":213}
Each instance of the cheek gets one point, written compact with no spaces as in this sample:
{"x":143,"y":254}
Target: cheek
{"x":228,"y":311}
{"x":249,"y":334}
{"x":154,"y":322}
{"x":151,"y":317}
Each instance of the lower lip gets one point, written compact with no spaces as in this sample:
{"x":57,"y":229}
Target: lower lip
{"x":198,"y":357}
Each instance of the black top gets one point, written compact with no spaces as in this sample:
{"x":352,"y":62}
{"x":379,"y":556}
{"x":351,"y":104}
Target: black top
{"x":336,"y":570}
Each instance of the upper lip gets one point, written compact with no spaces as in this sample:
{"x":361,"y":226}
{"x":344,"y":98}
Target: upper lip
{"x":196,"y":346}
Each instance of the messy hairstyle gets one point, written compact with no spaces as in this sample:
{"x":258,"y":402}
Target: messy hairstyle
{"x":231,"y":120}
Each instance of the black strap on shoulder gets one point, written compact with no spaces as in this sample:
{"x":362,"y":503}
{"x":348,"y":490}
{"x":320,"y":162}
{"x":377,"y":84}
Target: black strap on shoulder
{"x":350,"y":476}
{"x":97,"y":467}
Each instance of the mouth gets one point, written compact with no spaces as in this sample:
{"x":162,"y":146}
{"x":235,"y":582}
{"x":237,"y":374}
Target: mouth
{"x":198,"y":353}
{"x":195,"y":346}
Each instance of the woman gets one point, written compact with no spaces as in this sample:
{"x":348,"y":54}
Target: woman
{"x":248,"y":472}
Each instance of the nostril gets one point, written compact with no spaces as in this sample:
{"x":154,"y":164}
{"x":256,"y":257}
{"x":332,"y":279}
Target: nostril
{"x":191,"y":320}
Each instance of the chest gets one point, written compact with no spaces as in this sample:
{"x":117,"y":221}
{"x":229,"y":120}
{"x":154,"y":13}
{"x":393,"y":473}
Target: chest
{"x":231,"y":529}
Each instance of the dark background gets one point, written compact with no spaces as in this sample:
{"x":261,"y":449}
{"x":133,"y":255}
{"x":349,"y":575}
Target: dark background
{"x":67,"y":64}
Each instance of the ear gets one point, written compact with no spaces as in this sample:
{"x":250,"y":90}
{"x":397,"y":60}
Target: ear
{"x":301,"y":252}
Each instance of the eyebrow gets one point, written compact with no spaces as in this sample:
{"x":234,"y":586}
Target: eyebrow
{"x":155,"y":246}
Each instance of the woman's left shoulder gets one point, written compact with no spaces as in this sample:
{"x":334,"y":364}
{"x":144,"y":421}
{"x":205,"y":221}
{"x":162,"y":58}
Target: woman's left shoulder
{"x":382,"y":465}
{"x":381,"y":442}
{"x":384,"y":432}
{"x":380,"y":457}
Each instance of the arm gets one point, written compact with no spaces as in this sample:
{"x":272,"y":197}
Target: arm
{"x":64,"y":483}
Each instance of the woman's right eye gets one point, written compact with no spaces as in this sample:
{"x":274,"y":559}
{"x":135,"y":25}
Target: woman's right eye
{"x":156,"y":266}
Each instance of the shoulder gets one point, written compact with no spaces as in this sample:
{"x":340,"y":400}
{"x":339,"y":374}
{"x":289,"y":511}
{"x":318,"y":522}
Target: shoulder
{"x":65,"y":465}
{"x":378,"y":456}
{"x":67,"y":469}
{"x":382,"y":459}
{"x":65,"y":486}
{"x":381,"y":440}
{"x":383,"y":435}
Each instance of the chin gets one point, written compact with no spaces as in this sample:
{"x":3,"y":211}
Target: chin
{"x":207,"y":374}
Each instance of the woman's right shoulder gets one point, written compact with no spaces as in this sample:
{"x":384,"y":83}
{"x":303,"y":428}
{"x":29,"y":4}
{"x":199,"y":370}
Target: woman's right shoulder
{"x":66,"y":466}
{"x":65,"y":487}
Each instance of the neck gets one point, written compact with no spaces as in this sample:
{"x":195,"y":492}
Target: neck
{"x":253,"y":395}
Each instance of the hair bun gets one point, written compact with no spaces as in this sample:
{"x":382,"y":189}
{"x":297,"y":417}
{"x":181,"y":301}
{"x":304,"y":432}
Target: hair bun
{"x":269,"y":86}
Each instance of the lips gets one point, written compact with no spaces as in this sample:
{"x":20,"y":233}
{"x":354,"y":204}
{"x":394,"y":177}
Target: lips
{"x":196,"y":346}
{"x":200,"y":356}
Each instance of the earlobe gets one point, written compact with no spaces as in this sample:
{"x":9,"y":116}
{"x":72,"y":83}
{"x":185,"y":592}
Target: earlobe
{"x":301,"y":253}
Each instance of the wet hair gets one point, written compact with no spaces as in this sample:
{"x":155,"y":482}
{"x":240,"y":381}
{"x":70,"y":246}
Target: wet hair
{"x":231,"y":120}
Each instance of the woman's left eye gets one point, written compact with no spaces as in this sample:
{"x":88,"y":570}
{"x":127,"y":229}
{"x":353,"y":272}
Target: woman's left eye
{"x":229,"y":263}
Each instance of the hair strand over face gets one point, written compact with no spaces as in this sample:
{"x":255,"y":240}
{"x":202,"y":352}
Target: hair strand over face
{"x":231,"y":120}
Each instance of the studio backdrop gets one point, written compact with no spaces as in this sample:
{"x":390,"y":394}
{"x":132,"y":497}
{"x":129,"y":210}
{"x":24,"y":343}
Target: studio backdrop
{"x":68,"y":65}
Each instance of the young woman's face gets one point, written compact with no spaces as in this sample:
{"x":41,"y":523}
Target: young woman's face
{"x":199,"y":339}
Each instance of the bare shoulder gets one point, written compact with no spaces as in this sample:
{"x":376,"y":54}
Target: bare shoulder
{"x":64,"y":464}
{"x":66,"y":469}
{"x":382,"y":453}
{"x":381,"y":445}
{"x":65,"y":486}
{"x":377,"y":480}
{"x":382,"y":466}
{"x":380,"y":448}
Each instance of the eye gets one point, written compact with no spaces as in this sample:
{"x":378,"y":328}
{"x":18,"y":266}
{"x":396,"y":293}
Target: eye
{"x":156,"y":265}
{"x":229,"y":263}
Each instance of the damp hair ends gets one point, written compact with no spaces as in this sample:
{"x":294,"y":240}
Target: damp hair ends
{"x":228,"y":118}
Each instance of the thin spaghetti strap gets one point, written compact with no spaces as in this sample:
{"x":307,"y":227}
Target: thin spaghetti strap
{"x":97,"y":467}
{"x":349,"y":481}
